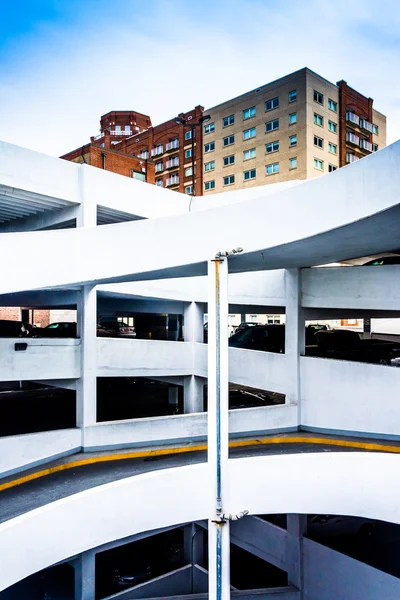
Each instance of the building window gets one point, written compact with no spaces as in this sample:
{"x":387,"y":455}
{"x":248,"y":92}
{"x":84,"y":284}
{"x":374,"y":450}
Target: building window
{"x":188,"y":171}
{"x":375,"y":147}
{"x":318,"y":120}
{"x":229,"y":140}
{"x":188,"y":153}
{"x":209,"y":185}
{"x":292,"y":96}
{"x":139,"y":176}
{"x":189,"y":189}
{"x":249,"y":133}
{"x":293,"y":163}
{"x":332,"y":148}
{"x":127,"y":127}
{"x":272,"y":125}
{"x":118,"y":128}
{"x":229,"y":180}
{"x":375,"y":129}
{"x":271,"y":169}
{"x":226,"y":121}
{"x":209,"y":128}
{"x":249,"y":154}
{"x":319,"y":142}
{"x":292,"y":141}
{"x":318,"y":97}
{"x":188,"y":135}
{"x":249,"y":174}
{"x":249,"y":112}
{"x":331,"y":168}
{"x":292,"y":118}
{"x":209,"y":147}
{"x":209,"y":166}
{"x":332,"y":126}
{"x":159,"y":182}
{"x":332,"y":105}
{"x":271,"y":147}
{"x":318,"y":164}
{"x":273,"y":103}
{"x":229,"y":160}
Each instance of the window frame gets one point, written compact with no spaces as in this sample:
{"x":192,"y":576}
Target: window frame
{"x":188,"y":153}
{"x":316,"y":96}
{"x":209,"y":149}
{"x":228,"y":117}
{"x":334,"y":130}
{"x":249,"y":157}
{"x":229,"y":177}
{"x":210,"y":162}
{"x":316,"y":144}
{"x":250,"y":171}
{"x":251,"y":114}
{"x":272,"y":107}
{"x":273,"y":149}
{"x":230,"y":143}
{"x":209,"y":128}
{"x":290,"y":160}
{"x":211,"y":185}
{"x":294,"y":114}
{"x":228,"y":164}
{"x":317,"y":116}
{"x":274,"y":171}
{"x":295,"y":96}
{"x":330,"y":101}
{"x":318,"y":160}
{"x":330,"y":144}
{"x":251,"y":130}
{"x":272,"y":128}
{"x":295,"y":143}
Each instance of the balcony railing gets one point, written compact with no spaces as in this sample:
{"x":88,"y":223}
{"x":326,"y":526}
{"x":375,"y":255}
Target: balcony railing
{"x":100,"y":135}
{"x":352,"y":138}
{"x":352,"y":118}
{"x":350,"y":158}
{"x":364,"y":124}
{"x":366,"y":145}
{"x":121,"y":132}
{"x":174,"y":162}
{"x":159,"y":168}
{"x":157,"y":150}
{"x":159,"y":183}
{"x":172,"y":145}
{"x":143,"y":155}
{"x":173,"y":180}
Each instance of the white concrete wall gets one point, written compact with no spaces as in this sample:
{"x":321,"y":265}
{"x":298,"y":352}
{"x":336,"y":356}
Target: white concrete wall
{"x":325,"y":483}
{"x":374,"y":288}
{"x":350,"y":397}
{"x":329,"y":575}
{"x":43,"y":359}
{"x":190,"y":427}
{"x":143,"y":358}
{"x":19,"y":452}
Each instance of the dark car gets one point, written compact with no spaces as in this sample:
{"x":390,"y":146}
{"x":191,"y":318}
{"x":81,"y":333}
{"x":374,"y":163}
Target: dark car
{"x":11,"y":329}
{"x":268,"y":338}
{"x":114,"y":328}
{"x":56,"y":330}
{"x":245,"y":325}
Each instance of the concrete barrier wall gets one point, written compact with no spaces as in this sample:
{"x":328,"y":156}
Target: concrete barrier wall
{"x":325,"y":483}
{"x":143,"y":358}
{"x":190,"y":427}
{"x":329,"y":575}
{"x":18,"y":452}
{"x":43,"y":359}
{"x":350,"y":397}
{"x":353,"y":287}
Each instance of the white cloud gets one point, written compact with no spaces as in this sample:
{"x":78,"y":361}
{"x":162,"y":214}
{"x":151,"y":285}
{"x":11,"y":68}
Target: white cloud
{"x":60,"y":82}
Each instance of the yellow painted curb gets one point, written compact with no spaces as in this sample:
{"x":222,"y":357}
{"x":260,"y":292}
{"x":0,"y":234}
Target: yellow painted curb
{"x":295,"y":439}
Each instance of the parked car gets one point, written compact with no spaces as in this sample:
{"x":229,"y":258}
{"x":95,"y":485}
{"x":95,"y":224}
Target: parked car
{"x":114,"y":328}
{"x":11,"y":329}
{"x":56,"y":330}
{"x":245,"y":325}
{"x":336,"y":343}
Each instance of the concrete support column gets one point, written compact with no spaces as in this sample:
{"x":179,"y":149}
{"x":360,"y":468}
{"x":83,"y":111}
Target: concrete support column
{"x":193,"y":319}
{"x":193,"y":549}
{"x":85,"y":576}
{"x":243,"y":318}
{"x":193,"y":394}
{"x":87,"y":213}
{"x":294,"y":337}
{"x":87,"y":328}
{"x":218,"y":427}
{"x":296,"y":529}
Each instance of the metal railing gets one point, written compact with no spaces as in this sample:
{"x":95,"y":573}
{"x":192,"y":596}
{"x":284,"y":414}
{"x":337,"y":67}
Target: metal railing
{"x":159,"y":168}
{"x":173,"y":180}
{"x":350,"y":158}
{"x":352,"y":138}
{"x":157,"y":150}
{"x":352,"y":117}
{"x":172,"y":145}
{"x":366,"y":145}
{"x":174,"y":162}
{"x":364,"y":124}
{"x":143,"y":155}
{"x":121,"y":132}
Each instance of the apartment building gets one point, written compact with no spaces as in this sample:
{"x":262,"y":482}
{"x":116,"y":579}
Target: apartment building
{"x":291,"y":128}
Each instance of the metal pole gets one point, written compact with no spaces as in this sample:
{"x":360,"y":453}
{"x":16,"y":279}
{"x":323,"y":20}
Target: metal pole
{"x":219,"y":555}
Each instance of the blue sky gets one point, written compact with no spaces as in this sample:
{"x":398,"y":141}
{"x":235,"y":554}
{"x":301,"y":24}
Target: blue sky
{"x":63,"y":63}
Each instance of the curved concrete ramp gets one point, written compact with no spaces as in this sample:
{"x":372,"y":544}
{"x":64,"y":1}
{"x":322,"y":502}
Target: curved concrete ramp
{"x":353,"y":211}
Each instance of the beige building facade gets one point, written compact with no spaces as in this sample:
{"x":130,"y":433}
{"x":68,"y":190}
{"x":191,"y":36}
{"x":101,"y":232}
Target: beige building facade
{"x":287,"y":129}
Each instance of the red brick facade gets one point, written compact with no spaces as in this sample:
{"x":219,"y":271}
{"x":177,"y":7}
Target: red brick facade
{"x":351,"y":101}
